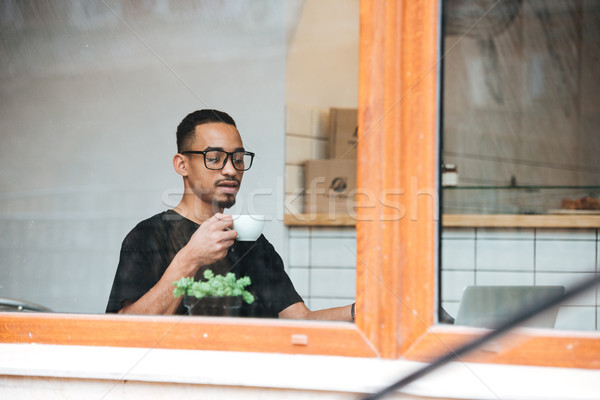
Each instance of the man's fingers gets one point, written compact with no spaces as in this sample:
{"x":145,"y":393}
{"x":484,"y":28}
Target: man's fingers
{"x":225,"y":221}
{"x":229,"y":235}
{"x":220,"y":216}
{"x":229,"y":243}
{"x":221,"y":221}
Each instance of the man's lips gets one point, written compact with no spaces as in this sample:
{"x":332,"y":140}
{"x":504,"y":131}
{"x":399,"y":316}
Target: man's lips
{"x":230,"y":186}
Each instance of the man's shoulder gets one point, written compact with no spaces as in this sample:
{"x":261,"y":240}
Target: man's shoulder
{"x":157,"y":220}
{"x":165,"y":221}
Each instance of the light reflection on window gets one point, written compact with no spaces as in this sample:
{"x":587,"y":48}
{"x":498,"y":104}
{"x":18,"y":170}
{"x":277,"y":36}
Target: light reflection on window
{"x":520,"y":101}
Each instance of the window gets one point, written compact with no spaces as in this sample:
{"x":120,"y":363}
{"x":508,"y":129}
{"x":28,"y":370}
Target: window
{"x":519,"y":136}
{"x":396,"y":261}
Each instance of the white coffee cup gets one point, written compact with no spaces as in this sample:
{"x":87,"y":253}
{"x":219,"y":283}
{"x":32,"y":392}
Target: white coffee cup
{"x":248,"y":227}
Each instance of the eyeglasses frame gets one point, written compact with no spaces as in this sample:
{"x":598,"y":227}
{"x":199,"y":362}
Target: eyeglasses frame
{"x":228,"y":154}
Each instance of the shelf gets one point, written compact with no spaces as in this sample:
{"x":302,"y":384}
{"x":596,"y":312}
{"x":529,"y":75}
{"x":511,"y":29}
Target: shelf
{"x":575,"y":220}
{"x":521,"y":221}
{"x":340,"y":220}
{"x":523,"y":187}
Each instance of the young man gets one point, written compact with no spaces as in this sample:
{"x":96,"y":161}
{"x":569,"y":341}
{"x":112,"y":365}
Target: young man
{"x":196,"y":235}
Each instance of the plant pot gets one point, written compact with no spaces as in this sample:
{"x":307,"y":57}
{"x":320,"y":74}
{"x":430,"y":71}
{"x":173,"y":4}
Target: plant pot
{"x":228,"y":306}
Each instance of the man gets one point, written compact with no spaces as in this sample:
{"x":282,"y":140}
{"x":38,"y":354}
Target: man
{"x":196,"y":235}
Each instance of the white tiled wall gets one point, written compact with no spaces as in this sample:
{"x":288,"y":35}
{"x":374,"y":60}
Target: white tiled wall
{"x":562,"y":255}
{"x":524,"y":257}
{"x":321,"y":263}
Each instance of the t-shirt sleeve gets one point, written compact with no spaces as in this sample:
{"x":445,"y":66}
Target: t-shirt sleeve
{"x":140,"y":267}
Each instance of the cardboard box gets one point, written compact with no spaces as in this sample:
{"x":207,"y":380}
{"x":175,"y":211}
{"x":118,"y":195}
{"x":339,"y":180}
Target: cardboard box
{"x":330,"y":186}
{"x":343,"y":132}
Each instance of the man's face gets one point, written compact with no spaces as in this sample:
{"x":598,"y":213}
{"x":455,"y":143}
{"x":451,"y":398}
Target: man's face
{"x":216,"y":188}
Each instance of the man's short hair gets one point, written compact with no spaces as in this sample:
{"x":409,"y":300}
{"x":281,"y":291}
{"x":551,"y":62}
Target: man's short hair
{"x":187,"y":127}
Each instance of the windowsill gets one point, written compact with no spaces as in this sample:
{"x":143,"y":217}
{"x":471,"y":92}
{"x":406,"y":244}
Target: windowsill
{"x":183,"y":332}
{"x":293,"y":372}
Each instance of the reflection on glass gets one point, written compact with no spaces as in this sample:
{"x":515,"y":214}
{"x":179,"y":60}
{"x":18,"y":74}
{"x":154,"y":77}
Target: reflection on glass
{"x":520,"y":148}
{"x":91,"y":95}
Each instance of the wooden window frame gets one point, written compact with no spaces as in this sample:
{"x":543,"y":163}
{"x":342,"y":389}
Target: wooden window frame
{"x":396,"y":257}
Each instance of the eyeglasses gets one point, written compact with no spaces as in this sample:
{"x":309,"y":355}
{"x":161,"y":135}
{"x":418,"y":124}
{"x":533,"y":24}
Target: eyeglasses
{"x":216,"y":159}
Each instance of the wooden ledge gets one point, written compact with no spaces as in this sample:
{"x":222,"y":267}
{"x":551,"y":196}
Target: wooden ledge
{"x":522,"y":221}
{"x":184,"y":332}
{"x":581,"y":221}
{"x":523,"y":346}
{"x":319,"y":220}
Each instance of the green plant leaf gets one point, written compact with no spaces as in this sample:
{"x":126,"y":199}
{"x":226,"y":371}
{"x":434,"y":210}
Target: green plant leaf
{"x":214,"y":285}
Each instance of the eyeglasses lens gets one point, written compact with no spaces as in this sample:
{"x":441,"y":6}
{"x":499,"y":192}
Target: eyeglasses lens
{"x":216,"y":160}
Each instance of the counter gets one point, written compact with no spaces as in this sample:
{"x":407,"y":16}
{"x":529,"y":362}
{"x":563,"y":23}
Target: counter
{"x":566,"y":220}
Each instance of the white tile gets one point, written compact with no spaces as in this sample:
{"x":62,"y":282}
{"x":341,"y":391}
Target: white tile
{"x":508,"y":255}
{"x":298,"y":119}
{"x":576,"y":318}
{"x":300,"y":279}
{"x":598,"y":318}
{"x":568,"y":280}
{"x":334,"y":232}
{"x":307,"y":301}
{"x":458,"y":254}
{"x":299,"y":252}
{"x":330,"y":282}
{"x":332,"y":252}
{"x":568,"y":234}
{"x":505,"y":233}
{"x":454,"y":283}
{"x":503,"y":278}
{"x":297,"y":149}
{"x":294,"y":178}
{"x":298,"y":232}
{"x":567,"y":256}
{"x":458,"y":233}
{"x":318,"y":303}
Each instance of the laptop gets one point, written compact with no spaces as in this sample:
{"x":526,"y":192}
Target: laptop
{"x":490,"y":306}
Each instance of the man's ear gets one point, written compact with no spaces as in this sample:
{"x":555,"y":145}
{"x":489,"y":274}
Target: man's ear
{"x":179,"y":164}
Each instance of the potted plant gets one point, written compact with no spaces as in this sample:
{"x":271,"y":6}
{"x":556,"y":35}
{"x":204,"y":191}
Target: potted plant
{"x":216,"y":295}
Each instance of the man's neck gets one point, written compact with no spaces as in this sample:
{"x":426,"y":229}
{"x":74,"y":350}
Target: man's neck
{"x":195,"y":212}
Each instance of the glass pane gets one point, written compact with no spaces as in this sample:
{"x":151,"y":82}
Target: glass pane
{"x":321,"y":103}
{"x":92,"y":93}
{"x":521,"y":172}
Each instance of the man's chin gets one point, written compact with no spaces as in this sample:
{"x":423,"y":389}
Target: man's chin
{"x":227,"y":202}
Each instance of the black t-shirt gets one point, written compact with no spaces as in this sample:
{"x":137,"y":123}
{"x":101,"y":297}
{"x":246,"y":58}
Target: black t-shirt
{"x":150,"y":247}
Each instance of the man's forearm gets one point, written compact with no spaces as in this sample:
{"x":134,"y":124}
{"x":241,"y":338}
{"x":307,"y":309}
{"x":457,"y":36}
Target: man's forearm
{"x":332,"y":314}
{"x":300,"y":311}
{"x":160,"y":300}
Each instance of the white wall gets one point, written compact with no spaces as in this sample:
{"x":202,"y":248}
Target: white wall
{"x":322,"y":61}
{"x":90,"y":97}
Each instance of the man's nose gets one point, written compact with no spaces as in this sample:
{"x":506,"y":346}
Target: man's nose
{"x":228,"y":169}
